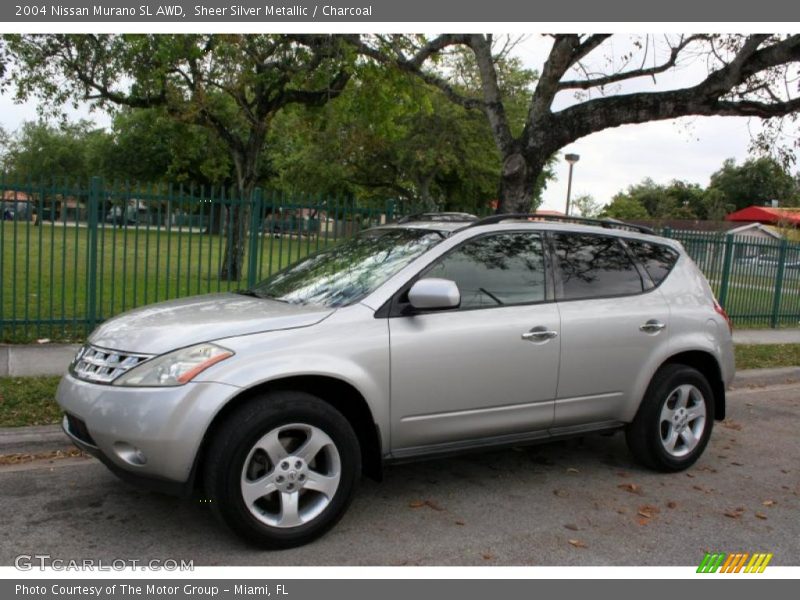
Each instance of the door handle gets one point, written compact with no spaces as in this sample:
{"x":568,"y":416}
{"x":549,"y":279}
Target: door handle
{"x":539,"y":334}
{"x":652,"y":326}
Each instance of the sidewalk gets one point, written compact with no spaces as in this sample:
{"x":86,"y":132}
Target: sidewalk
{"x":766,"y":336}
{"x":21,"y":360}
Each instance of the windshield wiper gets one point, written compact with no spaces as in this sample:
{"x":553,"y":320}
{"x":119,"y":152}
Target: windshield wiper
{"x":247,"y":293}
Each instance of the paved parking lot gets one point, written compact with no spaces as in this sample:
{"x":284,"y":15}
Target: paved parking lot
{"x":582,"y":502}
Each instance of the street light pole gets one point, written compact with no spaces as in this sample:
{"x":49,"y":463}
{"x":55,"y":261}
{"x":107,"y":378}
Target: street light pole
{"x":571,"y":159}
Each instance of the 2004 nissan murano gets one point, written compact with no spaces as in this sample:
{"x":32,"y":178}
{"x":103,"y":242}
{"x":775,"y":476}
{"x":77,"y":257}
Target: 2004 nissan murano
{"x":436,"y":334}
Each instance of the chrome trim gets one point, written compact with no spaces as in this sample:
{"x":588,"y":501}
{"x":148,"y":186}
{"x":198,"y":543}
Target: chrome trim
{"x":103,"y":365}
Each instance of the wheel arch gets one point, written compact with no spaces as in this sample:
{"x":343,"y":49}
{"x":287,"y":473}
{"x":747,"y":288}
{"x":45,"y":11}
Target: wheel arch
{"x":707,"y":364}
{"x":340,"y":394}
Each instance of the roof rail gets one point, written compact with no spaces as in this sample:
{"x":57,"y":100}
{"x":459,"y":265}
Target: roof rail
{"x":606,"y":223}
{"x":450,"y":217}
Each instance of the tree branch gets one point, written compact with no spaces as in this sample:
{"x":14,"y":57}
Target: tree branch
{"x":705,"y":99}
{"x":585,"y":84}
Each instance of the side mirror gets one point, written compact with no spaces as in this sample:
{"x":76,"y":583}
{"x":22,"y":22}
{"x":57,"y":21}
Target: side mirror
{"x":433,"y":293}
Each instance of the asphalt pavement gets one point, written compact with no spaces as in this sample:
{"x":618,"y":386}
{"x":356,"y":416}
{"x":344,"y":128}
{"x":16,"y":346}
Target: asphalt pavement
{"x":580,"y":502}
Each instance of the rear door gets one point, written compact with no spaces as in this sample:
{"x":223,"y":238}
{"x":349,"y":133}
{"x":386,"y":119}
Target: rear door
{"x":478,"y":371}
{"x":613,"y":318}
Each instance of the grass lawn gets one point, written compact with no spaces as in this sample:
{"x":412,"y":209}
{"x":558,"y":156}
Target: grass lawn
{"x":31,"y":400}
{"x":753,"y":356}
{"x":28,"y":401}
{"x":44,"y":271}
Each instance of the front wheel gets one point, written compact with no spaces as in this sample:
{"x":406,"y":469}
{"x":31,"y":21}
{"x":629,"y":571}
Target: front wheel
{"x":674,"y":422}
{"x":282,"y":469}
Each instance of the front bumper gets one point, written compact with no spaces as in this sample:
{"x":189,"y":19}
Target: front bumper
{"x":147,"y":433}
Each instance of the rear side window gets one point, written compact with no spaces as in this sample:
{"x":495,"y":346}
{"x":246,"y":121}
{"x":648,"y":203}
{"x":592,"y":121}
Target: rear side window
{"x":594,"y":266}
{"x":496,"y":270}
{"x":657,"y":260}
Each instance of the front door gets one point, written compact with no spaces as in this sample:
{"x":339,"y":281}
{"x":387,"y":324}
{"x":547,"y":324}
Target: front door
{"x":488,"y":368}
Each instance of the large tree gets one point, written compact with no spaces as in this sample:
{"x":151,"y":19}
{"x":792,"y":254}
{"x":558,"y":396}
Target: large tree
{"x":41,"y":151}
{"x":389,"y":135}
{"x":232,"y":84}
{"x":756,"y":181}
{"x":745,"y":76}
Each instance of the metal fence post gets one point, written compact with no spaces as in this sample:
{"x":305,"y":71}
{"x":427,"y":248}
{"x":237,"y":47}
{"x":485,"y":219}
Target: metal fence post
{"x":776,"y":300}
{"x":95,"y":194}
{"x":727,"y":262}
{"x":252,"y":253}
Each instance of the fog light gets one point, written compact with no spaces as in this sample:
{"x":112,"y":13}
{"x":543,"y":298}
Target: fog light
{"x":130,"y":454}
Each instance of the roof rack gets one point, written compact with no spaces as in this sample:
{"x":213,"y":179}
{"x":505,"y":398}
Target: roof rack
{"x":606,"y":223}
{"x":449,"y":217}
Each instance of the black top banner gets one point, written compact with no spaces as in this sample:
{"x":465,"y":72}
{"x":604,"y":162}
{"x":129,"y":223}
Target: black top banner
{"x":369,"y":11}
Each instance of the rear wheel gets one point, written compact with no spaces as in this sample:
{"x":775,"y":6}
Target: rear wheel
{"x":282,"y":469}
{"x":675,"y":419}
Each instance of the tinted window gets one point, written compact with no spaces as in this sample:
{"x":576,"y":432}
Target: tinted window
{"x":595,"y":265}
{"x":656,"y":259}
{"x":496,"y":270}
{"x":348,"y":271}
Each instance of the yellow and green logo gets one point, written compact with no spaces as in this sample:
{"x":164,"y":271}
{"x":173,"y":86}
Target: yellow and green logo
{"x":738,"y":562}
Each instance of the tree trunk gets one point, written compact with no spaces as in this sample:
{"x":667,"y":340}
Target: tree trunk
{"x":235,"y":223}
{"x":518,"y":182}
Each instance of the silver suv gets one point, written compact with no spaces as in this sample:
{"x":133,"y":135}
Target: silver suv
{"x":412,"y":340}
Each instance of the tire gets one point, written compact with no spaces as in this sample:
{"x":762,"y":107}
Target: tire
{"x":674,"y":422}
{"x":281,"y":470}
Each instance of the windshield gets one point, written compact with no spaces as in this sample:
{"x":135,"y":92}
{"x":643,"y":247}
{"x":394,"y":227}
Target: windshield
{"x":349,"y":271}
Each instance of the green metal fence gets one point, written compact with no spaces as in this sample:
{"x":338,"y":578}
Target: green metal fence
{"x":756,"y":279}
{"x":72,"y":255}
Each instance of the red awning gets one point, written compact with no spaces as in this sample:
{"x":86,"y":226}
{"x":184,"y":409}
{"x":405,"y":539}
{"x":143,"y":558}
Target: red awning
{"x":766,"y":214}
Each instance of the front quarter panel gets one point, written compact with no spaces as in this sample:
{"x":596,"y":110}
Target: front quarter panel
{"x":351,"y":345}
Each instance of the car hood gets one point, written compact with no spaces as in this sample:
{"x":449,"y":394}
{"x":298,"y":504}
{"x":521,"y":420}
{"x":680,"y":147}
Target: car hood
{"x":162,"y":327}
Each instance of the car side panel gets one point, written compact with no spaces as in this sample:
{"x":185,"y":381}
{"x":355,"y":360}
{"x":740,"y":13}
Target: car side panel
{"x":351,"y":345}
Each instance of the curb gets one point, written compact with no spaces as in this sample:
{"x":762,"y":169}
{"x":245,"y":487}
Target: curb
{"x":752,"y":378}
{"x":30,"y":440}
{"x":43,"y":438}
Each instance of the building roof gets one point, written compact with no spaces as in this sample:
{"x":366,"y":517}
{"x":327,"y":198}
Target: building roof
{"x":766,"y":214}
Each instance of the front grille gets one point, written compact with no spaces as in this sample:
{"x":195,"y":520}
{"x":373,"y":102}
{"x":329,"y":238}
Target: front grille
{"x":78,"y":428}
{"x":101,"y":365}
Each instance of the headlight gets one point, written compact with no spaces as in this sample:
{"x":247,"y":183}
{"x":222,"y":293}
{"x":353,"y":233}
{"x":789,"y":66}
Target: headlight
{"x":175,"y":368}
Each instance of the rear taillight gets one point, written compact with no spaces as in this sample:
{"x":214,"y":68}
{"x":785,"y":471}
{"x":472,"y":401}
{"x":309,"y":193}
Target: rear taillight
{"x":723,"y":314}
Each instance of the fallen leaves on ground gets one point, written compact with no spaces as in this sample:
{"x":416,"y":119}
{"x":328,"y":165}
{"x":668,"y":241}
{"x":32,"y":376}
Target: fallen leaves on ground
{"x":762,"y":516}
{"x":769,"y":503}
{"x":459,"y":522}
{"x":572,"y":470}
{"x":672,"y":504}
{"x":572,"y":527}
{"x":648,"y":511}
{"x":630,"y":487}
{"x":561,"y":493}
{"x":429,"y":503}
{"x":728,"y":424}
{"x":20,"y":458}
{"x":577,"y":543}
{"x":487,"y":556}
{"x":734,"y":513}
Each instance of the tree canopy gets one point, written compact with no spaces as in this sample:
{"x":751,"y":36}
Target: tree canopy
{"x":746,"y":75}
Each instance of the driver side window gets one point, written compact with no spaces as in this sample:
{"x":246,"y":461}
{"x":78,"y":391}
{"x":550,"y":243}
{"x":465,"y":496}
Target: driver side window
{"x":499,"y":269}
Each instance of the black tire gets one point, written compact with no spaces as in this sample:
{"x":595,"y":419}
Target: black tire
{"x":645,"y":436}
{"x":232,"y":444}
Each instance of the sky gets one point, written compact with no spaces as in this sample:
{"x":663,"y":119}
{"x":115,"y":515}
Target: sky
{"x":690,"y":149}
